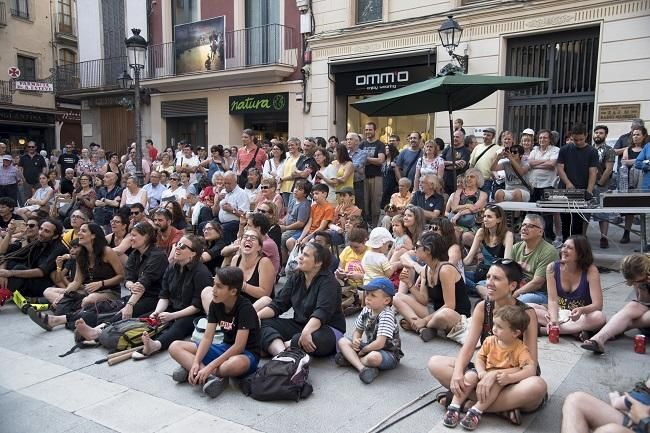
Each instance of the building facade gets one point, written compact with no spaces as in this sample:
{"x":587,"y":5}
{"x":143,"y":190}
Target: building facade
{"x":594,"y":53}
{"x":35,"y":36}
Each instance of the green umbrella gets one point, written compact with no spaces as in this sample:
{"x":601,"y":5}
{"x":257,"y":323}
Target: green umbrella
{"x":450,"y":92}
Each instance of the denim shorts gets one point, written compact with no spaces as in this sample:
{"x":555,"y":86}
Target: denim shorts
{"x":216,"y":350}
{"x":388,"y":359}
{"x":540,"y":298}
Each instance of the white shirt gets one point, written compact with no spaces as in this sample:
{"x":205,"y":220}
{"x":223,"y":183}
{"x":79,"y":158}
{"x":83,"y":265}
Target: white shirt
{"x":540,"y":177}
{"x":184,"y":161}
{"x":154,"y":193}
{"x":238,"y":199}
{"x":179,"y":193}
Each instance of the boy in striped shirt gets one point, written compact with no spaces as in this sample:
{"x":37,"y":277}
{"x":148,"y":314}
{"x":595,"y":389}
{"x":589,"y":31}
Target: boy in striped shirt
{"x":375,"y":343}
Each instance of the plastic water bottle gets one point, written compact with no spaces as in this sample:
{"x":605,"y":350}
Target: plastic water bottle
{"x":623,"y":178}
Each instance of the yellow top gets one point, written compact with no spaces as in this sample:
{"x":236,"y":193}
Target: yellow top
{"x":289,"y":168}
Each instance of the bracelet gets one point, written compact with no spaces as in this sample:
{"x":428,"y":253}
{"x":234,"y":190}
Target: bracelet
{"x":130,"y":303}
{"x":102,"y":283}
{"x":58,"y":269}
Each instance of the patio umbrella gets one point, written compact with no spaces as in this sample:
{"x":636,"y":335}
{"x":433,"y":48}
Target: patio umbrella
{"x":450,"y":92}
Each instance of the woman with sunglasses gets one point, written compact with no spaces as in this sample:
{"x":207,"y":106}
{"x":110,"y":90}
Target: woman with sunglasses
{"x":179,"y":301}
{"x":269,"y":210}
{"x":493,"y":240}
{"x":467,"y":203}
{"x":259,"y":272}
{"x":440,"y":284}
{"x":175,"y":190}
{"x":528,"y":395}
{"x":268,"y":194}
{"x":274,"y":166}
{"x":575,"y":294}
{"x":97,"y":278}
{"x":213,"y":235}
{"x":315,"y":296}
{"x":635,"y":269}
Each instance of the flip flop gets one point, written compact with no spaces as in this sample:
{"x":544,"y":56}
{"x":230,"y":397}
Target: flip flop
{"x":39,"y":318}
{"x":405,"y":325}
{"x":593,"y":346}
{"x":139,"y":355}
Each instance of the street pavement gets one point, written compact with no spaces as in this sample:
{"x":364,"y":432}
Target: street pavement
{"x":39,"y":391}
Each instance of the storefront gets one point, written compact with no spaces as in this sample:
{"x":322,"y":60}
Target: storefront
{"x":186,"y":120}
{"x":18,"y":126}
{"x":266,"y":114}
{"x":359,"y":79}
{"x":68,"y":122}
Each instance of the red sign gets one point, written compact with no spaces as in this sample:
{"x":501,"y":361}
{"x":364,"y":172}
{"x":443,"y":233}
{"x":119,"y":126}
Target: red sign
{"x":13,"y":72}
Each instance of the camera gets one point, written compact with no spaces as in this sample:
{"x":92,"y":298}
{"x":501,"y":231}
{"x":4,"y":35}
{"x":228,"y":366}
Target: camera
{"x":306,"y":70}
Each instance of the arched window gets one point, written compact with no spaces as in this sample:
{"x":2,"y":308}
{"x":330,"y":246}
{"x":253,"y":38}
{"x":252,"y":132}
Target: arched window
{"x":67,"y":57}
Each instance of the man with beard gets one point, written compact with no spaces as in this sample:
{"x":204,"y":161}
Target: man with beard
{"x":376,"y":155}
{"x":28,"y":270}
{"x":16,"y":238}
{"x":606,"y":158}
{"x":168,"y":235}
{"x":108,"y":200}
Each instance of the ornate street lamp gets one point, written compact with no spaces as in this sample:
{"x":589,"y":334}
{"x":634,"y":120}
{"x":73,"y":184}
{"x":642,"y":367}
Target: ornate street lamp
{"x":136,"y":50}
{"x":450,"y":33}
{"x":124,"y":80}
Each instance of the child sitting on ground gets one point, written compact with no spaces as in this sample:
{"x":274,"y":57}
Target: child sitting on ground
{"x":350,"y":271}
{"x":375,"y":262}
{"x":377,"y":326}
{"x":208,"y":364}
{"x":402,"y":243}
{"x":504,"y":353}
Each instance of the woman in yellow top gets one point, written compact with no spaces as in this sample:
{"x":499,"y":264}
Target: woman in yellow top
{"x":286,"y":181}
{"x":344,"y":169}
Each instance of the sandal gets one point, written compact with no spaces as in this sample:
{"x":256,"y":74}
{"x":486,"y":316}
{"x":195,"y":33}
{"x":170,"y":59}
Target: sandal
{"x":41,"y":319}
{"x":514,"y":416}
{"x":593,"y":346}
{"x":447,"y":396}
{"x":583,"y":336}
{"x":405,"y":325}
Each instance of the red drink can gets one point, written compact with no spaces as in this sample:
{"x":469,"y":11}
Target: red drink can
{"x":554,"y":334}
{"x":639,"y":343}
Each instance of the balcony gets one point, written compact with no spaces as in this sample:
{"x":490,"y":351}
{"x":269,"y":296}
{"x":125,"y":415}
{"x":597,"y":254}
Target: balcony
{"x":66,"y":29}
{"x":3,"y":14}
{"x":253,"y":55}
{"x":91,"y":76}
{"x":5,"y":92}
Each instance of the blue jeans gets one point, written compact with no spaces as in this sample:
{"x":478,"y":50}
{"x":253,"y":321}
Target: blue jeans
{"x":534,"y":298}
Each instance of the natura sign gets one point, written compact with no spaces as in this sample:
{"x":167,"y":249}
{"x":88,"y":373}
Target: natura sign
{"x":264,"y":103}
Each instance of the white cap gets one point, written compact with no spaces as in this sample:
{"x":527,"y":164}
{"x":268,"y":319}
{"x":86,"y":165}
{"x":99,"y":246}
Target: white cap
{"x":528,"y":131}
{"x":7,"y":158}
{"x":378,"y":237}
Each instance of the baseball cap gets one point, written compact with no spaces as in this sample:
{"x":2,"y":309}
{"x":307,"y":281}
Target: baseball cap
{"x":7,"y":158}
{"x":490,"y":130}
{"x":528,"y":131}
{"x":380,"y":283}
{"x":378,"y":237}
{"x":345,"y":190}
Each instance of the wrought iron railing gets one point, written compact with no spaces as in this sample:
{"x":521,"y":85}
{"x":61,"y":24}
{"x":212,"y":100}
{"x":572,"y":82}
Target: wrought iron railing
{"x":66,"y":24}
{"x":92,"y":74}
{"x":5,"y":92}
{"x":3,"y":14}
{"x":272,"y":44}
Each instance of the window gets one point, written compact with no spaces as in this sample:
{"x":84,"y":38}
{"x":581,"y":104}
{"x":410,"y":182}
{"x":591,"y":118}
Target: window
{"x":19,"y":8}
{"x":184,"y":11}
{"x":369,"y":11}
{"x":27,"y":66}
{"x":263,"y":31}
{"x":65,"y":16}
{"x":67,"y":57}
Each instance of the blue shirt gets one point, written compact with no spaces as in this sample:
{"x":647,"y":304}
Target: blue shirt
{"x":406,"y":162}
{"x":644,"y":166}
{"x":359,"y":162}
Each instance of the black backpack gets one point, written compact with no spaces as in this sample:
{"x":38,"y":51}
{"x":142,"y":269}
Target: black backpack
{"x":282,"y":378}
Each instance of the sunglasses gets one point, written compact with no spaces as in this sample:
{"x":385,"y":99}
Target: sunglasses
{"x":31,"y":226}
{"x":265,"y":187}
{"x":181,"y":246}
{"x":135,"y":213}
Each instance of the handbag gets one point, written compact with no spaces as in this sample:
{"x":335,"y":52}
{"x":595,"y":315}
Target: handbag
{"x":292,"y":261}
{"x":67,"y":209}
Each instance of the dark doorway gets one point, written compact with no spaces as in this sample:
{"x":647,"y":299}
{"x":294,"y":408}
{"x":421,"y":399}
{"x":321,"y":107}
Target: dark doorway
{"x":570,"y":60}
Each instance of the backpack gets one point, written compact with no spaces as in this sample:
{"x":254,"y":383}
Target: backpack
{"x":127,"y":333}
{"x":282,"y":378}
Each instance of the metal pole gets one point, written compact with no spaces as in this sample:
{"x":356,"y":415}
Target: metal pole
{"x":138,"y":130}
{"x":451,"y":144}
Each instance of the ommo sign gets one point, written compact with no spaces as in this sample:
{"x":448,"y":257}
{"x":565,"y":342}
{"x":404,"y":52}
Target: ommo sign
{"x":383,"y":78}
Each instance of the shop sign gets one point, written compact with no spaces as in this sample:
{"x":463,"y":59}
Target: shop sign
{"x":616,"y":113}
{"x":26,"y":116}
{"x":109,"y":101}
{"x":371,"y":82}
{"x":34,"y":86}
{"x":264,"y":103}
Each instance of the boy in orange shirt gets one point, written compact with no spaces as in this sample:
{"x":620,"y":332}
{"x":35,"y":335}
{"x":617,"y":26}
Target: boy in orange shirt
{"x":503,"y":352}
{"x":321,"y":215}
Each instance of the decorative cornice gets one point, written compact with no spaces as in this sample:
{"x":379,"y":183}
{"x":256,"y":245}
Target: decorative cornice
{"x":552,"y":21}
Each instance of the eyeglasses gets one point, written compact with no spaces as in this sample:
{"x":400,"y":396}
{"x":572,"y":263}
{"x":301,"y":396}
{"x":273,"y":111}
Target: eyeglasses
{"x":31,"y":147}
{"x":181,"y":246}
{"x":173,"y":178}
{"x":529,"y":226}
{"x":265,"y":187}
{"x":77,"y":216}
{"x":136,"y":213}
{"x":249,"y":237}
{"x":31,"y":226}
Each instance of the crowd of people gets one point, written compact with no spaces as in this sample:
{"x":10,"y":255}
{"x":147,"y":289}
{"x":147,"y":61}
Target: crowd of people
{"x":405,"y":236}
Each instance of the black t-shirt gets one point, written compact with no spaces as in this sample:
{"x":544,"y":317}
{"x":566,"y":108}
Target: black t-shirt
{"x":32,"y":167}
{"x":4,"y":224}
{"x":216,"y":259}
{"x":373,"y":150}
{"x":67,"y":187}
{"x":242,"y":316}
{"x":433,"y":202}
{"x":577,"y":162}
{"x":67,"y":160}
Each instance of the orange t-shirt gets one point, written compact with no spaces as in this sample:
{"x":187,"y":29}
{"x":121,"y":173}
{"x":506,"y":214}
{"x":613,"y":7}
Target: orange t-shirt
{"x":496,"y":357}
{"x":320,"y":213}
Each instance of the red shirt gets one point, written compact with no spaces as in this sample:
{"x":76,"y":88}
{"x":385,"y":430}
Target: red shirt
{"x":175,"y":235}
{"x":245,"y":156}
{"x":153,"y":153}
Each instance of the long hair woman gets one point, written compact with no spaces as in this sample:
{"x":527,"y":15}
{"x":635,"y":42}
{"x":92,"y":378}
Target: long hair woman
{"x":390,"y":174}
{"x":259,"y":273}
{"x":213,"y":235}
{"x":274,"y":166}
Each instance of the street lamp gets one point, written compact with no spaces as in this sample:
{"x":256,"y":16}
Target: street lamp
{"x":450,"y":33}
{"x":136,"y":50}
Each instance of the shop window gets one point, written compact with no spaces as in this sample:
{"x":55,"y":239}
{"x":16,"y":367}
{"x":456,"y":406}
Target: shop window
{"x":369,"y":11}
{"x":185,"y":11}
{"x":67,"y":57}
{"x":20,"y":8}
{"x":27,"y":66}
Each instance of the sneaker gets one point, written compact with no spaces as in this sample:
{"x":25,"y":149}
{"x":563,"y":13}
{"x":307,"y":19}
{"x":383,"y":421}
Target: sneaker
{"x":368,"y":374}
{"x":626,"y":237}
{"x":215,"y":386}
{"x":557,"y":243}
{"x":180,"y":375}
{"x":452,"y":417}
{"x":428,"y":334}
{"x":604,"y":243}
{"x":340,"y":360}
{"x":471,"y":419}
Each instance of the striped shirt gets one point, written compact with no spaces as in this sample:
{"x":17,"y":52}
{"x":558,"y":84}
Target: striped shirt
{"x":384,"y":325}
{"x":8,"y":175}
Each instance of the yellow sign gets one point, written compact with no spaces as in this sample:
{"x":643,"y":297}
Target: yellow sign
{"x":616,"y":113}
